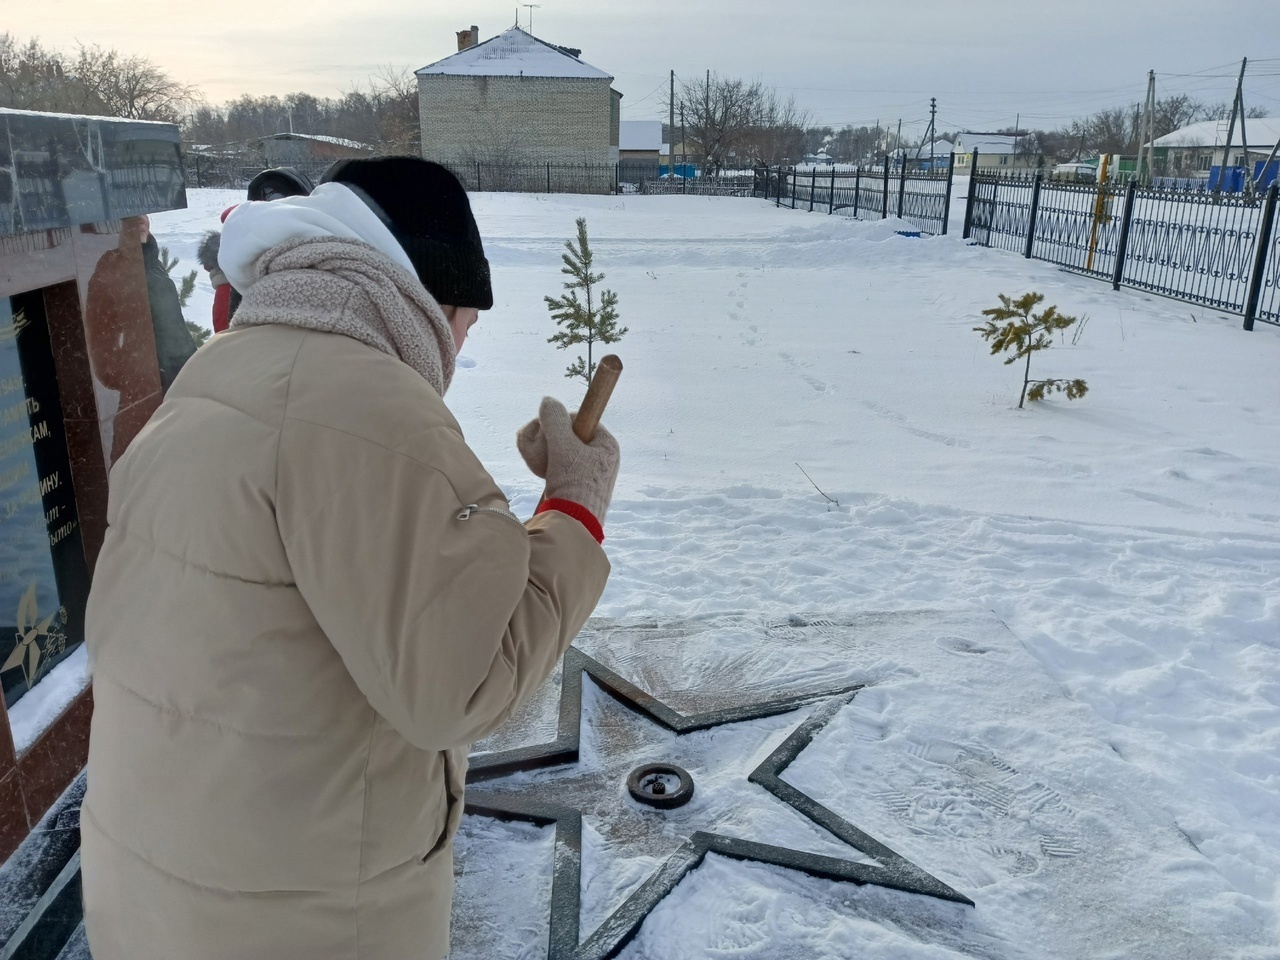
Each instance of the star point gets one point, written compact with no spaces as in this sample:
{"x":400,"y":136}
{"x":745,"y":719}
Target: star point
{"x":484,"y":798}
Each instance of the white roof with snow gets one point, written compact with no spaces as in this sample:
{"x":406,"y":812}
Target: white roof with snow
{"x":986,"y":142}
{"x":640,"y":135}
{"x":1262,"y":132}
{"x":340,"y":141}
{"x":514,"y":53}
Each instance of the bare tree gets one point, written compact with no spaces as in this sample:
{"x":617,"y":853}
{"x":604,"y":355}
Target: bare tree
{"x":777,"y":130}
{"x":96,"y":82}
{"x":399,"y":127}
{"x":35,"y":77}
{"x":716,"y":111}
{"x":132,"y":86}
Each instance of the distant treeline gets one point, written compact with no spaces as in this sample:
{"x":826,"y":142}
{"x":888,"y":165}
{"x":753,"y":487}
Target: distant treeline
{"x":724,"y":122}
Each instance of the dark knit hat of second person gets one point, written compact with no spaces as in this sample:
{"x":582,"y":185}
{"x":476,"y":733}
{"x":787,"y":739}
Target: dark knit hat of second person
{"x":279,"y":182}
{"x":428,"y":213}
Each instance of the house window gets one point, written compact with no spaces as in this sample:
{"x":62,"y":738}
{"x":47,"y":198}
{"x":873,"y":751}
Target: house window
{"x":1202,"y":162}
{"x":1004,"y":160}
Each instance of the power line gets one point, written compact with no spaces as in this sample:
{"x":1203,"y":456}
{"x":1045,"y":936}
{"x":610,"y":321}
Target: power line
{"x":636,"y":103}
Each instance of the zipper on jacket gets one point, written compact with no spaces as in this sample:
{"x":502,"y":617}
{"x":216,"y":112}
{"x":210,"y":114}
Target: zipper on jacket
{"x":472,"y":508}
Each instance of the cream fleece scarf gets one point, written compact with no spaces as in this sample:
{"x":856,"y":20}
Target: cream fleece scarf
{"x":331,"y":210}
{"x":341,"y":285}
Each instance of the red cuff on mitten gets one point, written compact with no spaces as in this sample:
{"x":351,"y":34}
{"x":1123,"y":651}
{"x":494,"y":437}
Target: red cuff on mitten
{"x":578,"y":512}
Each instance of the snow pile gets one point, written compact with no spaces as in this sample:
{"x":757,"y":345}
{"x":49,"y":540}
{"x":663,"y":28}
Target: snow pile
{"x":39,"y":707}
{"x":1105,"y":781}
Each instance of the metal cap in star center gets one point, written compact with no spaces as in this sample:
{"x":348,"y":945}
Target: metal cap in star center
{"x":661,"y":785}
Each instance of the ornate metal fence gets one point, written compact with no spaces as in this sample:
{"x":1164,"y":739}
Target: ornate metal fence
{"x":538,"y":177}
{"x":1189,"y":244}
{"x":1264,"y":288}
{"x":920,"y":197}
{"x":1192,"y":245}
{"x":1077,"y":225}
{"x":699,"y":186}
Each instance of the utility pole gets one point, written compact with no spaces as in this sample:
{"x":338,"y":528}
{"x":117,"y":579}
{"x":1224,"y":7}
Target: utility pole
{"x":1244,"y":144}
{"x":1148,"y":131}
{"x":684,"y":156}
{"x":671,"y":130}
{"x":706,"y":124}
{"x":933,"y":113}
{"x":1231,"y":127}
{"x":898,"y":144}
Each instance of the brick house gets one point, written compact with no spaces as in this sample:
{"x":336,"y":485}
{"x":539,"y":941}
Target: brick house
{"x":515,"y":99}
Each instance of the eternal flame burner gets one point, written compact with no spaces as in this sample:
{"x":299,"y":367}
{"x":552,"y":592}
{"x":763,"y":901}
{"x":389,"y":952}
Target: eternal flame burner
{"x":661,"y":785}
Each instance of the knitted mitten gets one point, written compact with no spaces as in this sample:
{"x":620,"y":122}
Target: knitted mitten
{"x":575,"y":471}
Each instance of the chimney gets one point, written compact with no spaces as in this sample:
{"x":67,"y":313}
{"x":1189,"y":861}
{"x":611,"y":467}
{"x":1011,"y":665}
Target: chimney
{"x":468,"y":38}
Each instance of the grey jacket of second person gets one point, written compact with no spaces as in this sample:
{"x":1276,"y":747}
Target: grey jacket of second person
{"x":174,"y":346}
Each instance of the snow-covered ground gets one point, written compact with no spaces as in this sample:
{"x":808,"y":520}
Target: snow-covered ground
{"x":1129,"y":540}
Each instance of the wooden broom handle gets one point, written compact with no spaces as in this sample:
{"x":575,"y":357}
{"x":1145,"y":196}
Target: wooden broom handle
{"x":593,"y":404}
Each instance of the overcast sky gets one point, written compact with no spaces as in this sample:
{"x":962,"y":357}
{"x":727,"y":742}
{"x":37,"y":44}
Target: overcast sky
{"x":847,"y":61}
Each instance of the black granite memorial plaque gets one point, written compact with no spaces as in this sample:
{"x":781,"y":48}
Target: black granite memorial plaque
{"x":61,"y":171}
{"x":44,"y":580}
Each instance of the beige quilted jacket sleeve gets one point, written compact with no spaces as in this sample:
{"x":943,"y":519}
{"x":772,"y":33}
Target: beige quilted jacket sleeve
{"x":445,"y":618}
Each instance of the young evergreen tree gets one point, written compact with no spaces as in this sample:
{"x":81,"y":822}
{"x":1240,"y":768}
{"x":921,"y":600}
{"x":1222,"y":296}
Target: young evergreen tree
{"x":198,"y":333}
{"x":580,"y":322}
{"x":187,"y":284}
{"x":1014,"y":327}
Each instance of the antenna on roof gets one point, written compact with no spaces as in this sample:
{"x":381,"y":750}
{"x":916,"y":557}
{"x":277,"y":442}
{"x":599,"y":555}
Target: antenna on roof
{"x":530,"y":7}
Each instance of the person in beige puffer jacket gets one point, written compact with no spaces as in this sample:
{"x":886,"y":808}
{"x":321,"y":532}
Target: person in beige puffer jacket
{"x":313,"y":598}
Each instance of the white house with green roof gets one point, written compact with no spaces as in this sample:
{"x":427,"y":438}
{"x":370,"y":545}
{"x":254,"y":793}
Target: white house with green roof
{"x":515,"y":99}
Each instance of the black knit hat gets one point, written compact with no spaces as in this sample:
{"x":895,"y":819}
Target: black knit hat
{"x":279,"y":182}
{"x":427,"y":211}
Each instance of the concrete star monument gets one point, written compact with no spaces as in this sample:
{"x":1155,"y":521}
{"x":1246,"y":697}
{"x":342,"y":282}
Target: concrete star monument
{"x":582,"y":772}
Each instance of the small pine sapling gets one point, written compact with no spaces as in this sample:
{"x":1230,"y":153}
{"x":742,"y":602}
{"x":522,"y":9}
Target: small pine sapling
{"x":1014,"y":327}
{"x":583,"y":322}
{"x":198,"y":333}
{"x":187,"y":284}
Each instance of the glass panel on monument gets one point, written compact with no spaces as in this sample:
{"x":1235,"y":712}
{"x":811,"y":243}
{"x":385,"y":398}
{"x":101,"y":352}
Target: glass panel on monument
{"x":44,"y":581}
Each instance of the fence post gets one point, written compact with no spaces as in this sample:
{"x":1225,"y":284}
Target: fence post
{"x":1031,"y":219}
{"x":831,"y":199}
{"x":884,"y":205}
{"x":617,"y":181}
{"x":1122,"y":248}
{"x":902,"y":185}
{"x":1265,"y":231}
{"x":857,"y":188}
{"x":477,"y":176}
{"x":813,"y":186}
{"x":968,"y":201}
{"x":946,"y":204}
